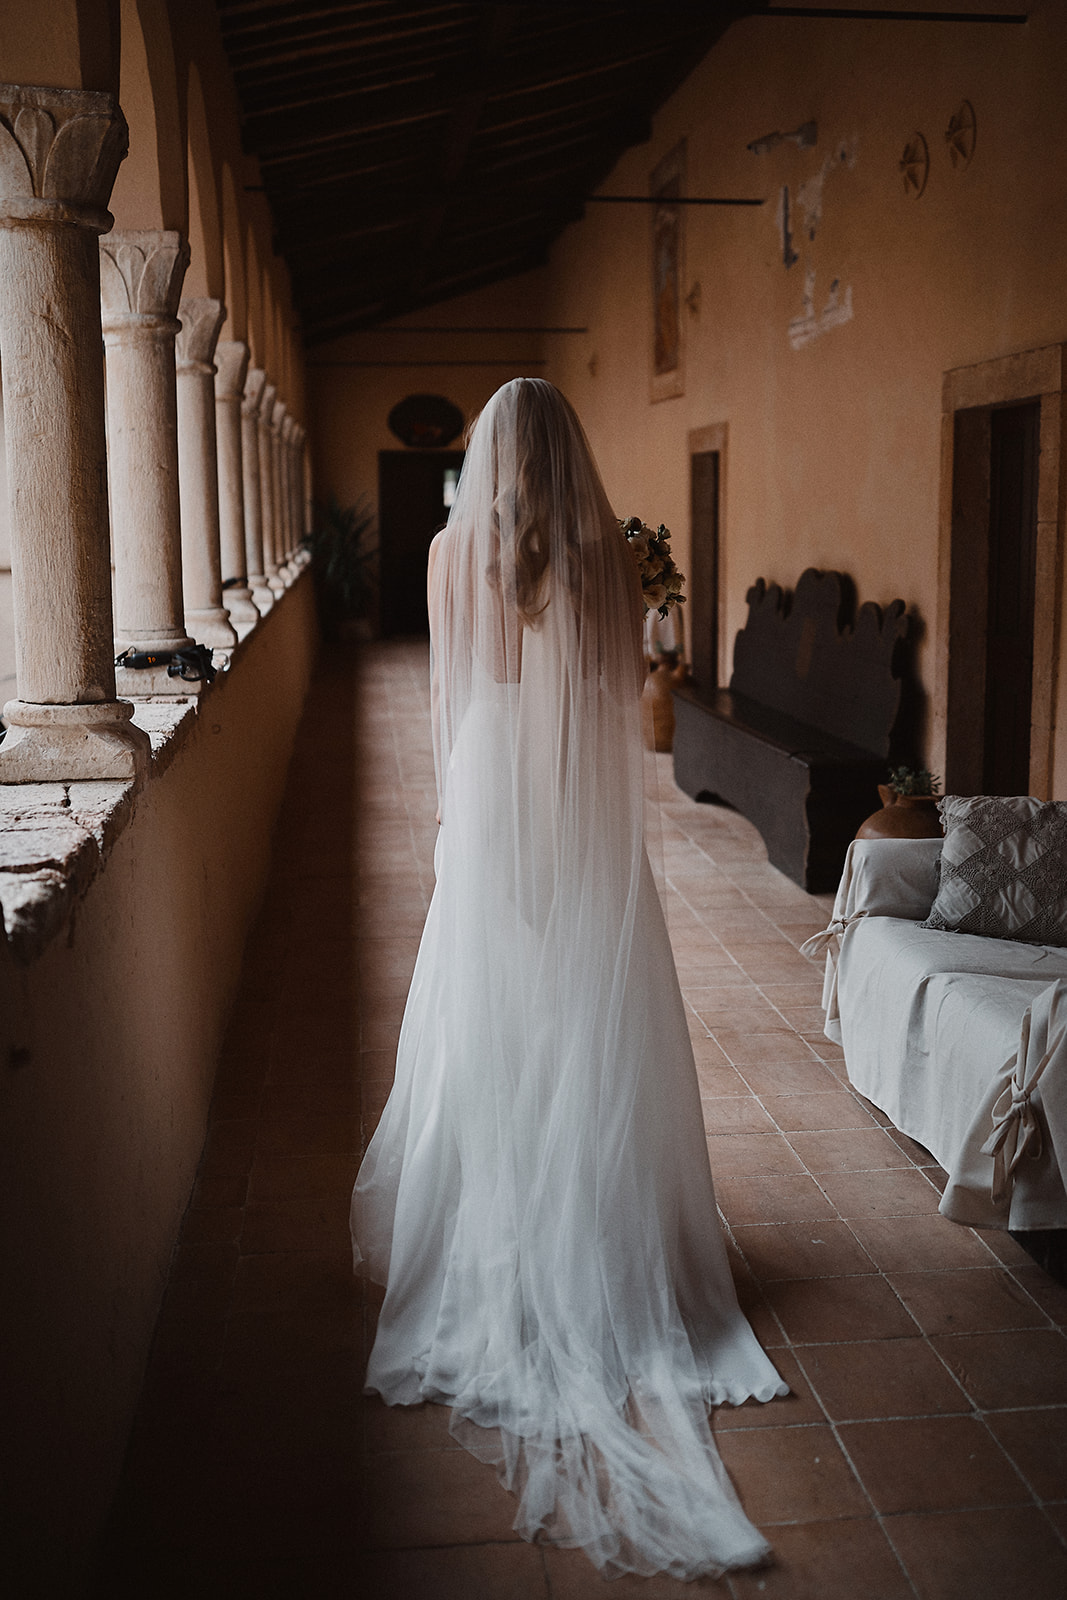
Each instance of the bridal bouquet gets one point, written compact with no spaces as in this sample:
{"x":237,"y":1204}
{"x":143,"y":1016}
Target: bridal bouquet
{"x":661,"y":582}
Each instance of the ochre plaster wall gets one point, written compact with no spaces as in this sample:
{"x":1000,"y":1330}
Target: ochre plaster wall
{"x":832,"y":452}
{"x":108,"y":1044}
{"x":832,"y":456}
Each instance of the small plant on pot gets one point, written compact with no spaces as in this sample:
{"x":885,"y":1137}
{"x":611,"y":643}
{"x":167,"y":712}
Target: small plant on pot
{"x":912,"y":781}
{"x":345,"y":552}
{"x":909,"y":807}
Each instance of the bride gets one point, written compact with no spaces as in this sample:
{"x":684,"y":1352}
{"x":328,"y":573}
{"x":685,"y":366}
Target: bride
{"x":537,"y":1199}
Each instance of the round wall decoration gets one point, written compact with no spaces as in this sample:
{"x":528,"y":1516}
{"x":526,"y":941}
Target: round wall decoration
{"x":960,"y":135}
{"x":915,"y":165}
{"x":426,"y":421}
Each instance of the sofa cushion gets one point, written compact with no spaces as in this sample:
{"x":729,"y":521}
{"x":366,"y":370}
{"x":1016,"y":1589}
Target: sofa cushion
{"x":1003,"y":869}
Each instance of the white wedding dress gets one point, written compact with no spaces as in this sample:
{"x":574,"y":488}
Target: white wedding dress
{"x":537,"y":1197}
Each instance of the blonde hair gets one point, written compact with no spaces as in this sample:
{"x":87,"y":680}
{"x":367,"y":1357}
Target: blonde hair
{"x":531,"y":502}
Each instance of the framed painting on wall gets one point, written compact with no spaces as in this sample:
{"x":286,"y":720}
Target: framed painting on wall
{"x":668,"y":264}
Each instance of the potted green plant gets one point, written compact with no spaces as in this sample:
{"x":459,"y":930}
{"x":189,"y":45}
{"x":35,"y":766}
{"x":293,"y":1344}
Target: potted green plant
{"x":344,"y":553}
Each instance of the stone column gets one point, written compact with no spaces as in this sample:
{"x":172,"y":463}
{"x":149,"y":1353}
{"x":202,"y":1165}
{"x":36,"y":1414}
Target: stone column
{"x":281,"y":510}
{"x":303,"y":524}
{"x":231,"y":364}
{"x":266,"y":486}
{"x":140,"y":281}
{"x":296,"y":492}
{"x":290,"y":487}
{"x":262,"y":593}
{"x":198,"y":476}
{"x":289,"y":535}
{"x":59,"y":152}
{"x":308,"y":482}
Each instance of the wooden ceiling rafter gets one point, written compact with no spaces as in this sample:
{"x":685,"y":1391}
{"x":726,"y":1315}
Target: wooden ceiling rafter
{"x":405,"y":23}
{"x":411,"y":153}
{"x":341,"y":73}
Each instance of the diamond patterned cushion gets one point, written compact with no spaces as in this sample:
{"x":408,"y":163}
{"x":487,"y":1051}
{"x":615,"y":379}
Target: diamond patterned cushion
{"x":1003,"y":869}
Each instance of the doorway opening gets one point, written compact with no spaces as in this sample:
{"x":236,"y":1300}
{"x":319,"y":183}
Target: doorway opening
{"x":707,"y":452}
{"x":994,"y":554}
{"x":999,"y":574}
{"x":415,"y":490}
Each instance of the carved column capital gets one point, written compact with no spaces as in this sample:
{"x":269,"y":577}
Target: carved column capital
{"x":231,"y":364}
{"x":195,"y":345}
{"x":59,"y":152}
{"x":255,"y":378}
{"x":141,"y":274}
{"x":266,"y":403}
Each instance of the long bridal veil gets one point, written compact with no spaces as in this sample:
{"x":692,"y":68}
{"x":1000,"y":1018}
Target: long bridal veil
{"x":537,"y":1197}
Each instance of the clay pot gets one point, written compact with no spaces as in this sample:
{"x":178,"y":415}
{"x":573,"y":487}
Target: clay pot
{"x":903,"y":816}
{"x":663,"y":675}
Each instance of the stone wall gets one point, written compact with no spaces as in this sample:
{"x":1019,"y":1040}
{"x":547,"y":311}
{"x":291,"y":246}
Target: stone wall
{"x":108,"y":1042}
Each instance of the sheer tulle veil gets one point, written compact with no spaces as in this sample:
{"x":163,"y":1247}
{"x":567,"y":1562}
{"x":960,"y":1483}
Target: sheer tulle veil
{"x":537,"y":1197}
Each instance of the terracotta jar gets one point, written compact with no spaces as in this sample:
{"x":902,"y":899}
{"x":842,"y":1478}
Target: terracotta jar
{"x":903,"y":816}
{"x":663,"y":674}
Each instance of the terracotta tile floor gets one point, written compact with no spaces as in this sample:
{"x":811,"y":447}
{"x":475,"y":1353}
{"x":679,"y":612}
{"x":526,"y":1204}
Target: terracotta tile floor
{"x":923,"y":1452}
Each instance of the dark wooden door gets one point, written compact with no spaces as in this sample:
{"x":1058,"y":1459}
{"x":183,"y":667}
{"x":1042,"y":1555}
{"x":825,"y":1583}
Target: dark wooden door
{"x":413,"y":498}
{"x":1013,"y":460}
{"x":993,"y":590}
{"x":704,"y":578}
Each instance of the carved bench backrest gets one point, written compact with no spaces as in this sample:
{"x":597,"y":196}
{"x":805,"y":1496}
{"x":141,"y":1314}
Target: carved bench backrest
{"x":803,"y":655}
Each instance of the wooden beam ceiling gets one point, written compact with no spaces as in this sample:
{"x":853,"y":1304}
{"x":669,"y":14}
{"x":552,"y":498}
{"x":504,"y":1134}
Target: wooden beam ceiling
{"x":410,"y":153}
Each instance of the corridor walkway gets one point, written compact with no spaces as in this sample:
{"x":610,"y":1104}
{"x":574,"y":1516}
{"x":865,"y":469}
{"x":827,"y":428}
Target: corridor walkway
{"x":923,"y":1452}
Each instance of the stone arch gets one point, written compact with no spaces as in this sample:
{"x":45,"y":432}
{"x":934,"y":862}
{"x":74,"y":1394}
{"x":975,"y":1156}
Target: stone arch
{"x":281,"y":349}
{"x":233,"y":261}
{"x":270,"y":341}
{"x":257,"y":339}
{"x":151,"y":189}
{"x":207,"y":272}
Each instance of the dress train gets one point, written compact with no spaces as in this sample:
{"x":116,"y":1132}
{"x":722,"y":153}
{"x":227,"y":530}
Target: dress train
{"x":538,"y":1201}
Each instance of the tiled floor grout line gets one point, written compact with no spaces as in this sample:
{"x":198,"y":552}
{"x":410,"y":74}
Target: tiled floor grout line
{"x":796,"y":1349}
{"x":882,"y":1521}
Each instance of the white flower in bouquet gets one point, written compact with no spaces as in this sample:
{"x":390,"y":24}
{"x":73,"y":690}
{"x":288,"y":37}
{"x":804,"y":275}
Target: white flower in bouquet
{"x":661,"y":582}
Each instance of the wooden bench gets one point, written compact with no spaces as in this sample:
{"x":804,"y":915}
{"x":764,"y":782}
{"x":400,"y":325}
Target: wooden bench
{"x":799,"y":741}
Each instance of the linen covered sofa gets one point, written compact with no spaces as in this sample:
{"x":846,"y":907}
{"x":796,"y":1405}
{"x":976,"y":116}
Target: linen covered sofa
{"x":960,"y":1038}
